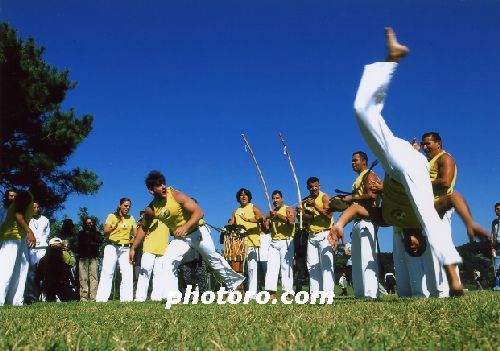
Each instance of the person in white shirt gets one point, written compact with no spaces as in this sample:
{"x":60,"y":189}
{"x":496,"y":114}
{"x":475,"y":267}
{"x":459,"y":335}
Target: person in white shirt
{"x":40,"y":226}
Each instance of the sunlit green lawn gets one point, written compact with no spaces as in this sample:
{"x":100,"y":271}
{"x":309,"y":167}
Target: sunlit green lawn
{"x":467,"y":323}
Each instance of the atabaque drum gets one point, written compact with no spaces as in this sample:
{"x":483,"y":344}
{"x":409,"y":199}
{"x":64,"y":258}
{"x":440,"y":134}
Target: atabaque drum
{"x":235,"y":248}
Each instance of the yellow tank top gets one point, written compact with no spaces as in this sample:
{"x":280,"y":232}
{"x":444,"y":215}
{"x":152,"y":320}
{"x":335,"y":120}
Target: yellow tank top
{"x":170,"y":212}
{"x":358,"y":188}
{"x":121,"y":235}
{"x":320,"y":222}
{"x":396,"y":208}
{"x":253,"y":230}
{"x":433,"y":173}
{"x":156,"y":241}
{"x":283,"y":230}
{"x":10,"y":229}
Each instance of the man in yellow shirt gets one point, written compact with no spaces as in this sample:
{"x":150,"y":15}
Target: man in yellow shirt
{"x":281,"y":223}
{"x":319,"y":220}
{"x":119,"y":227}
{"x":15,"y":238}
{"x":249,"y":216}
{"x":183,"y":217}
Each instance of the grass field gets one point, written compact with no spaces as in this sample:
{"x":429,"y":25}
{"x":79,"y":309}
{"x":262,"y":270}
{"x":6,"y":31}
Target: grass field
{"x":468,"y":323}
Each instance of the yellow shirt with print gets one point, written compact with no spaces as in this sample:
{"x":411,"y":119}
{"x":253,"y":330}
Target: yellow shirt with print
{"x":121,"y":234}
{"x":156,"y":240}
{"x":171,"y":213}
{"x":10,"y":229}
{"x":253,"y":229}
{"x":319,"y":222}
{"x":396,"y":208}
{"x":284,"y":230}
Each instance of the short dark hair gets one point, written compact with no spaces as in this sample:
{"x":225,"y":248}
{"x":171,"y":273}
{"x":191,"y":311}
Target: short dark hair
{"x":123,"y":199}
{"x":361,"y":154}
{"x":312,"y":180}
{"x":246,"y":192}
{"x":497,"y":204}
{"x":277,"y":192}
{"x":434,"y":135}
{"x":154,"y":178}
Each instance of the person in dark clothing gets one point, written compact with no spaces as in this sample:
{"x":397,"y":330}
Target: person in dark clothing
{"x":54,"y":271}
{"x":88,"y":243}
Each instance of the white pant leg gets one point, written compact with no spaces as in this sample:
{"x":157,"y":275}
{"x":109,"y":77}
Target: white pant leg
{"x":158,"y":279}
{"x":398,"y":157}
{"x":107,"y":272}
{"x":252,"y":268}
{"x":410,"y":269}
{"x":287,"y":252}
{"x":10,"y":261}
{"x":364,"y":260}
{"x":273,"y":260}
{"x":320,"y":263}
{"x":127,"y":273}
{"x":313,"y":265}
{"x":176,"y":250}
{"x":21,"y":271}
{"x":400,"y":269}
{"x":147,"y":265}
{"x":201,"y":241}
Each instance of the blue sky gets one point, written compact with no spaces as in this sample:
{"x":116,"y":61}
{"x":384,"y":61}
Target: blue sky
{"x":173,"y":84}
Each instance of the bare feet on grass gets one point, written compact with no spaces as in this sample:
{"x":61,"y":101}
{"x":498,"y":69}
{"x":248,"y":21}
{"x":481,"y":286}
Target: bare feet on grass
{"x":395,"y":51}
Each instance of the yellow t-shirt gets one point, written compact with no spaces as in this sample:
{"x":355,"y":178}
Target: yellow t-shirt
{"x":121,"y":234}
{"x":170,"y":212}
{"x":10,"y":229}
{"x":320,"y":222}
{"x":284,"y":230}
{"x":433,"y":173}
{"x":396,"y":208}
{"x":156,"y":241}
{"x":358,"y":187}
{"x":253,"y":230}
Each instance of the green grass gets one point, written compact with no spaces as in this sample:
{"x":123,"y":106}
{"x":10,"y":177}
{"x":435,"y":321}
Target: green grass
{"x":468,"y":323}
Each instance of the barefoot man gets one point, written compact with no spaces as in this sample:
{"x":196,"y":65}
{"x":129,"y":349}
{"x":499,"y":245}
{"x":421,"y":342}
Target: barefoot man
{"x":408,"y":199}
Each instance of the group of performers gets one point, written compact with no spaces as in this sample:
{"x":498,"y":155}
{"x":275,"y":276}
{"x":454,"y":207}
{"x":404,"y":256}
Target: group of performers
{"x":416,"y":197}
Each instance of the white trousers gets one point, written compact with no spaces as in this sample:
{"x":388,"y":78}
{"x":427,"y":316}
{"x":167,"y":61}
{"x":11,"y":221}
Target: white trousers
{"x":364,"y":259}
{"x":253,"y":258}
{"x":14,"y":267}
{"x":280,"y":259}
{"x":400,"y":161}
{"x":320,"y":263}
{"x":410,"y":271}
{"x":31,"y":290}
{"x":150,"y":263}
{"x":201,"y":241}
{"x":112,"y":255}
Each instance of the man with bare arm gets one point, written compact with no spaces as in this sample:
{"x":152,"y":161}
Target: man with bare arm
{"x":408,"y":199}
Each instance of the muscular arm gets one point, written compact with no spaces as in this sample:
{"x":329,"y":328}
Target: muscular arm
{"x":446,"y":171}
{"x":325,"y":210}
{"x":192,"y":208}
{"x":369,"y":193}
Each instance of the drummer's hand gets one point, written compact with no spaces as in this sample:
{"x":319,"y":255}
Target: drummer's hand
{"x":181,"y":231}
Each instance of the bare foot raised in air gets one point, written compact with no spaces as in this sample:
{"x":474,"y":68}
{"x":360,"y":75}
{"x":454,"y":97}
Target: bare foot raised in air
{"x":395,"y":51}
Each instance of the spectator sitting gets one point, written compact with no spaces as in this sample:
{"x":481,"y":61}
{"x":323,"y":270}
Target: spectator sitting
{"x":53,"y":272}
